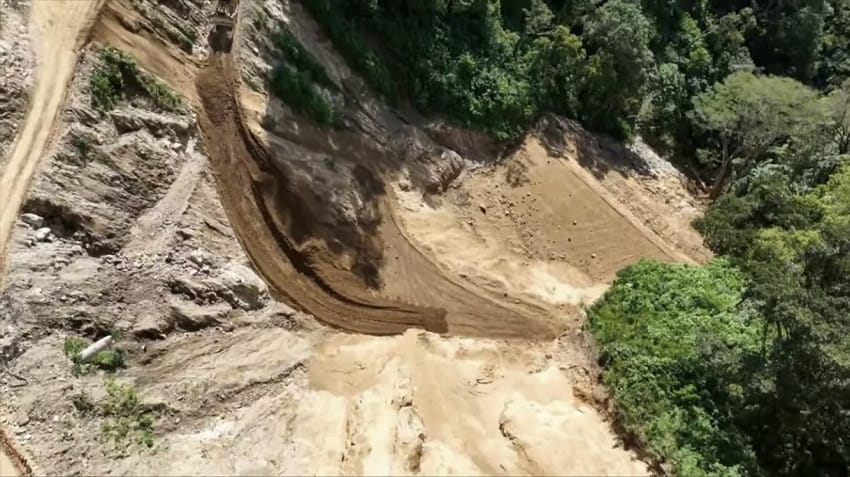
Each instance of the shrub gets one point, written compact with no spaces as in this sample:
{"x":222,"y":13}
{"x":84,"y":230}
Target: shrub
{"x":116,"y":76}
{"x":299,"y":81}
{"x":125,"y":415}
{"x":297,"y":90}
{"x":82,"y":403}
{"x":671,"y":344}
{"x":109,"y":360}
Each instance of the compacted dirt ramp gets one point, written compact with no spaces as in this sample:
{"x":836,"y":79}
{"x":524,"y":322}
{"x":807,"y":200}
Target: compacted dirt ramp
{"x":267,"y":209}
{"x":248,"y":185}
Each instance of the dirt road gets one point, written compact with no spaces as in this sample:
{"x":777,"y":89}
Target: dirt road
{"x":267,"y":209}
{"x":248,"y":184}
{"x":61,"y":28}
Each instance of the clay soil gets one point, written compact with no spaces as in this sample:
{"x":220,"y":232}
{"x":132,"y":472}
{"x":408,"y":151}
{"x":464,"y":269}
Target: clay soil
{"x":481,"y":287}
{"x":266,"y":209}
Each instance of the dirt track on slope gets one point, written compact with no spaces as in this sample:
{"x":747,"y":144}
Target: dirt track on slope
{"x":247,"y":184}
{"x":63,"y":28}
{"x":266,"y":210}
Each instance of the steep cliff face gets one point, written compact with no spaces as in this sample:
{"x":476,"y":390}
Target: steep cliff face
{"x":144,"y":220}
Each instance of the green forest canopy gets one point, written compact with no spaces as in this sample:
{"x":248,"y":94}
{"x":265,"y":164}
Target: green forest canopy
{"x":737,"y":367}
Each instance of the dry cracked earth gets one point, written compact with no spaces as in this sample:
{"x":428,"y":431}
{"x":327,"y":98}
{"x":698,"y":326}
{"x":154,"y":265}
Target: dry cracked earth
{"x":395,"y":296}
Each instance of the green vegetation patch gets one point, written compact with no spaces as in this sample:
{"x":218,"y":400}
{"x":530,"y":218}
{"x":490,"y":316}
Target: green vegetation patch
{"x":125,"y":417}
{"x":109,"y":360}
{"x":671,"y":344}
{"x":349,"y":38}
{"x":116,"y":77}
{"x":300,"y":81}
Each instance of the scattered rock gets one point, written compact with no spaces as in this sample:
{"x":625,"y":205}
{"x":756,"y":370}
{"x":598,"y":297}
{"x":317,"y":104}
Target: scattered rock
{"x":43,"y":234}
{"x":200,"y":258}
{"x":443,"y":171}
{"x":61,"y":262}
{"x":483,"y":208}
{"x":159,"y":125}
{"x":192,"y":317}
{"x":592,"y":255}
{"x":151,"y":326}
{"x":575,"y":222}
{"x":195,"y":289}
{"x":185,"y":234}
{"x":248,"y":291}
{"x":22,"y":418}
{"x":33,"y":220}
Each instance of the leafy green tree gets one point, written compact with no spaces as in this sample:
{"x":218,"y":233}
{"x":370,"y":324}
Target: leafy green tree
{"x":538,"y":19}
{"x":663,"y":115}
{"x":749,"y":115}
{"x":838,"y":103}
{"x":833,"y":63}
{"x":558,"y":63}
{"x":788,"y":36}
{"x":617,"y":34}
{"x":672,"y":347}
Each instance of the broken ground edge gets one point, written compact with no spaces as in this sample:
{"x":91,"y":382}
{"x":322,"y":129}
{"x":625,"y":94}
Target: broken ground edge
{"x":18,"y":460}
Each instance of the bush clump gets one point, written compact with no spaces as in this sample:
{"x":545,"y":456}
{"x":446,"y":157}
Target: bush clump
{"x":300,"y":81}
{"x":125,"y":415}
{"x":109,"y":360}
{"x":116,"y":76}
{"x":671,"y":344}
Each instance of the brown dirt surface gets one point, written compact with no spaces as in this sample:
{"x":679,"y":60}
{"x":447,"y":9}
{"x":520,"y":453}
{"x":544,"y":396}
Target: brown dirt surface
{"x":11,"y":463}
{"x":415,"y":292}
{"x":540,"y":227}
{"x":63,"y":28}
{"x":248,"y":187}
{"x":557,"y":210}
{"x":122,"y":27}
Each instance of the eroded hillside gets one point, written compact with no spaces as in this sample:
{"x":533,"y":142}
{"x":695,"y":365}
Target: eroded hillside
{"x":218,"y":232}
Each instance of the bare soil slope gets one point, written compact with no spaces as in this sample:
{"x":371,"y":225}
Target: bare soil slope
{"x":286,"y":247}
{"x":264,"y":211}
{"x":413,"y":404}
{"x":375,"y":228}
{"x":62,"y":28}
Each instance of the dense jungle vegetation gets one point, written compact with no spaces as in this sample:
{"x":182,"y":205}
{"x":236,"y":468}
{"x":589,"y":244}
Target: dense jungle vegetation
{"x":737,"y":367}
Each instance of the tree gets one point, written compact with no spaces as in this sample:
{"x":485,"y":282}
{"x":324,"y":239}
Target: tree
{"x":618,"y":35}
{"x":789,"y":36}
{"x":558,"y":63}
{"x":833,"y":63}
{"x":672,"y":347}
{"x":749,"y":115}
{"x":538,"y":18}
{"x":663,"y":114}
{"x":838,"y":103}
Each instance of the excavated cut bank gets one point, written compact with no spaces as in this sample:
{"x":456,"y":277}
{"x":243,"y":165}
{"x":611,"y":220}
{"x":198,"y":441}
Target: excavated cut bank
{"x":267,"y":209}
{"x":248,"y":185}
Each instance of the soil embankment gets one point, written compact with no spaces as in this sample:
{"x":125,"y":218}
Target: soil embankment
{"x":266,"y":209}
{"x":248,"y":185}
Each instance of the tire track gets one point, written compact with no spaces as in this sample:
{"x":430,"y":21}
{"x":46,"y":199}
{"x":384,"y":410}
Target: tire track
{"x":248,"y":185}
{"x":265,"y":205}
